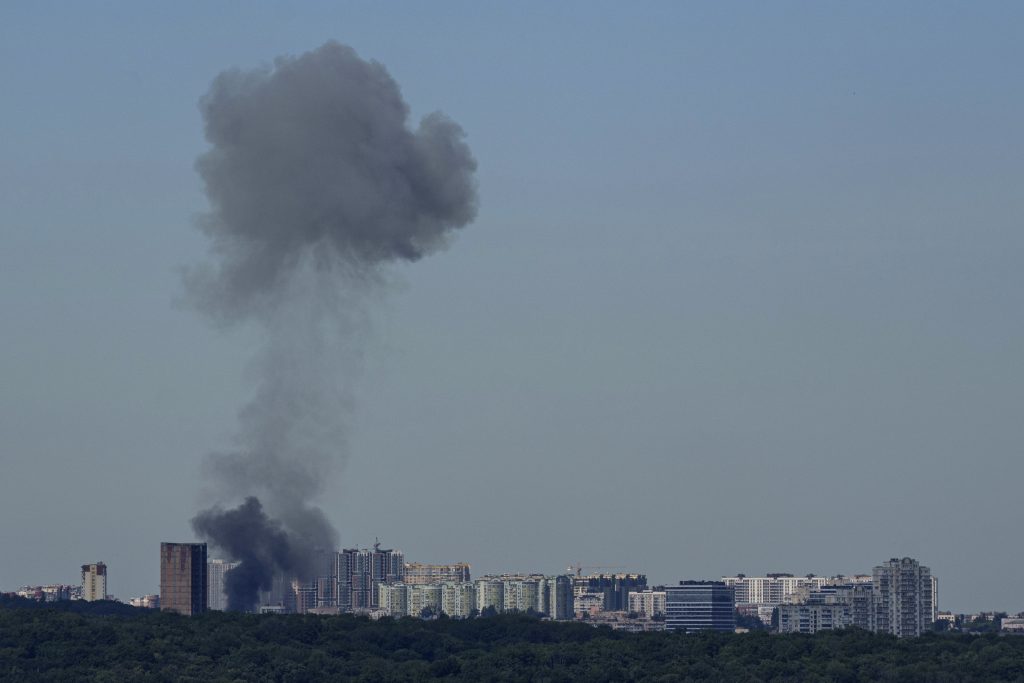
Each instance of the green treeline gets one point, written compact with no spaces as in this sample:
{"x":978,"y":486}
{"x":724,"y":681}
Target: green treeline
{"x":107,"y":643}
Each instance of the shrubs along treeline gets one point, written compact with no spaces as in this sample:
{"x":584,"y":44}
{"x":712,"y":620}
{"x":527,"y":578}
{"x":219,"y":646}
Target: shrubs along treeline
{"x":110,"y":642}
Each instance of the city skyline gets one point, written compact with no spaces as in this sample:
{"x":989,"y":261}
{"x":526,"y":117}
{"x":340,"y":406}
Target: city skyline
{"x":357,"y":573}
{"x":900,"y":596}
{"x":740,"y":295}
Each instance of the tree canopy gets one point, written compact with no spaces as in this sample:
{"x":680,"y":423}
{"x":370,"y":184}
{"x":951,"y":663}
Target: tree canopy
{"x":91,"y":644}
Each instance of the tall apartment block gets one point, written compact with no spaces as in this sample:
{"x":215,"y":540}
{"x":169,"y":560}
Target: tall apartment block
{"x":548,"y":595}
{"x":904,"y":597}
{"x":184,"y":584}
{"x":317,"y":590}
{"x":453,"y":599}
{"x":359,"y":573}
{"x":458,"y":599}
{"x":418,"y":572}
{"x":614,"y":588}
{"x":348,"y":580}
{"x":394,"y":599}
{"x":901,"y":599}
{"x":94,"y":581}
{"x":325,"y":581}
{"x":700,"y":605}
{"x":556,"y":596}
{"x":647,"y":603}
{"x":424,"y":597}
{"x":490,"y":593}
{"x":833,"y":606}
{"x":521,"y":594}
{"x":811,"y":618}
{"x":216,"y":571}
{"x":765,"y":593}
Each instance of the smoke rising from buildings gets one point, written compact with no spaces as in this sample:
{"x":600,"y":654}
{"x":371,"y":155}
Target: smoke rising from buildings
{"x":315,"y":182}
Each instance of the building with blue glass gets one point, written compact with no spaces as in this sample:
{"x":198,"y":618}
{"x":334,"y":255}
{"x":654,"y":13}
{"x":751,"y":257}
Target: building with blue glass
{"x":700,"y":606}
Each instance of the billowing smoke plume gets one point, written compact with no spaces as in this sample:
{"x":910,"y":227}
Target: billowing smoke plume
{"x":315,"y":181}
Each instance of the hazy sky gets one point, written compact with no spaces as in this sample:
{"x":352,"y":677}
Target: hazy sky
{"x":744,"y":293}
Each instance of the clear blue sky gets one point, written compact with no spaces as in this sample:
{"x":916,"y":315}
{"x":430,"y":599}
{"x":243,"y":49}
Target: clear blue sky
{"x":744,"y":292}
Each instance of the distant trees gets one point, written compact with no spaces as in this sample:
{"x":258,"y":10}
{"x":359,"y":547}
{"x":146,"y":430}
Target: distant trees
{"x":749,"y":621}
{"x":47,"y":643}
{"x":985,"y":625}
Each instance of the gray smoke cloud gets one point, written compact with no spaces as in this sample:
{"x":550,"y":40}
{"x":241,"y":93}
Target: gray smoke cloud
{"x":315,"y":182}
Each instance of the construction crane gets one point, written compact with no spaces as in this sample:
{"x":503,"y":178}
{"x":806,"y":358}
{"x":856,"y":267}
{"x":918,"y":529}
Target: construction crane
{"x":578,"y":568}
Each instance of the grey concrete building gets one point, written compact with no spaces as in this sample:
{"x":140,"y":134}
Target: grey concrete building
{"x":184,"y":583}
{"x":903,"y":598}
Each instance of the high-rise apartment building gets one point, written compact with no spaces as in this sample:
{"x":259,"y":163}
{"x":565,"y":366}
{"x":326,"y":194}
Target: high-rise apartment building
{"x":277,"y":596}
{"x":184,"y":584}
{"x":320,"y":588}
{"x":418,"y":572}
{"x":424,"y":599}
{"x":490,"y":593}
{"x":832,"y":606}
{"x":859,"y":597}
{"x":765,"y":593}
{"x":302,"y":596}
{"x":614,"y":587}
{"x":216,"y":572}
{"x":903,"y":598}
{"x":394,"y":599}
{"x":700,"y":605}
{"x":814,"y":617}
{"x":557,"y":598}
{"x":458,"y":600}
{"x":588,"y":605}
{"x":647,"y":603}
{"x":520,"y":594}
{"x":771,"y":589}
{"x":94,"y":581}
{"x":359,"y":573}
{"x":549,"y":595}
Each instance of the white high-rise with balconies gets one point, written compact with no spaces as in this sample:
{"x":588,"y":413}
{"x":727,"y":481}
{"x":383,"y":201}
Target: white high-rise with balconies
{"x":904,"y":598}
{"x":217,"y":571}
{"x":647,"y":603}
{"x":94,"y":581}
{"x":490,"y":593}
{"x":765,"y":593}
{"x":458,"y":600}
{"x":393,"y":598}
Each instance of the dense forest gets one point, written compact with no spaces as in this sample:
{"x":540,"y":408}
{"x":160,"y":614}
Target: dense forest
{"x":111,"y":642}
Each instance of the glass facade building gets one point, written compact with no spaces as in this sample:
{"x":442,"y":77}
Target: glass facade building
{"x":700,"y":605}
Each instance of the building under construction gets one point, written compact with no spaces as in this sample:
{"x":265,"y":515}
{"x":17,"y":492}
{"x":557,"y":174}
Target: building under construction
{"x":183,"y":578}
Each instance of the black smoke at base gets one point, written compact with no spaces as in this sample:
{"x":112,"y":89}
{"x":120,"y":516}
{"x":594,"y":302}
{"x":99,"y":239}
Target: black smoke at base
{"x":315,"y":183}
{"x":255,"y":541}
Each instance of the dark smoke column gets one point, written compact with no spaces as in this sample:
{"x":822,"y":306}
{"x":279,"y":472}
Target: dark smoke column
{"x":315,"y":182}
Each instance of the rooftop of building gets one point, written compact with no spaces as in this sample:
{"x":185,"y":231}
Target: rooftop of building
{"x":690,"y":582}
